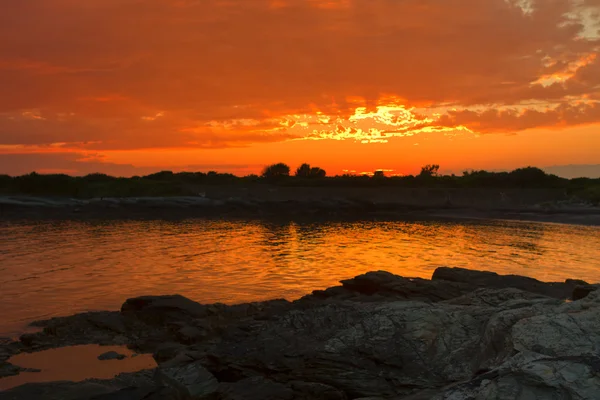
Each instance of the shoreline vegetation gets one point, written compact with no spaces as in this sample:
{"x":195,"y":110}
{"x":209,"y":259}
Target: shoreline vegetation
{"x":168,"y":183}
{"x":525,"y":193}
{"x":463,"y":334}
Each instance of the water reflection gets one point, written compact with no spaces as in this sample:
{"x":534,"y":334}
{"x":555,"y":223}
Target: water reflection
{"x":75,"y":363}
{"x":58,"y":268}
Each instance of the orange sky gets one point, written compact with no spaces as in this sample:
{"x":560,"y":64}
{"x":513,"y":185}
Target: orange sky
{"x":134,"y":86}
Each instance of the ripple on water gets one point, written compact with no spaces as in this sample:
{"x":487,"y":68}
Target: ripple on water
{"x":60,"y":268}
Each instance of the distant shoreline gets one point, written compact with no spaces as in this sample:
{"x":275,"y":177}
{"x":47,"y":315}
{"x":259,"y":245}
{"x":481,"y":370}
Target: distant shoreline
{"x":285,"y":207}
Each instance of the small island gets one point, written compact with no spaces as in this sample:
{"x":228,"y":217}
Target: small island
{"x":463,"y":334}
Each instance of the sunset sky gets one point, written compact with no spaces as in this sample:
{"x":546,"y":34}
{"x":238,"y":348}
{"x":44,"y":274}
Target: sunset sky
{"x":129,"y":87}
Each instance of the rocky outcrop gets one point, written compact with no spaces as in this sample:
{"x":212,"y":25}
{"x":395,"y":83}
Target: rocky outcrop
{"x":462,"y":335}
{"x":111,"y":355}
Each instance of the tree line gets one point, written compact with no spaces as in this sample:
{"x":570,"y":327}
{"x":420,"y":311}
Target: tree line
{"x":168,"y":183}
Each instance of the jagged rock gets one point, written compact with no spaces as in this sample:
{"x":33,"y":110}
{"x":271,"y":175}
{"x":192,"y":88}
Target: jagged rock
{"x":111,"y":355}
{"x":191,"y":381}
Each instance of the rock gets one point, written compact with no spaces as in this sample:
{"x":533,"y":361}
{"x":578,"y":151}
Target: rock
{"x":381,"y":285}
{"x":312,"y":390}
{"x":28,"y":339}
{"x":136,"y":393}
{"x":361,"y":349}
{"x":111,"y":355}
{"x":463,"y":335}
{"x":256,"y":388}
{"x":192,"y":381}
{"x":509,"y":298}
{"x":108,"y":321}
{"x":167,"y":351}
{"x":581,"y":291}
{"x":485,"y":279}
{"x":161,"y":310}
{"x":34,"y":370}
{"x":559,"y":334}
{"x":7,"y":369}
{"x":57,"y":391}
{"x":190,"y":334}
{"x":528,"y":377}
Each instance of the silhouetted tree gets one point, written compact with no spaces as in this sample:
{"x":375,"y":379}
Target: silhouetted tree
{"x":160,"y":176}
{"x":306,"y":171}
{"x":316,"y":172}
{"x":303,"y":171}
{"x":276,"y":171}
{"x":379,"y":174}
{"x":430,"y":170}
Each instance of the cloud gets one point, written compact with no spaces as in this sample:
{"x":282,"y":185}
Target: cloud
{"x":125,"y":74}
{"x":82,"y":164}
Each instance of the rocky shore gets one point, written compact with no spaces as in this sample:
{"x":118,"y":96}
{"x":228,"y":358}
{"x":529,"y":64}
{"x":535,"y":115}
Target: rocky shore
{"x":300,"y":205}
{"x":461,"y":335}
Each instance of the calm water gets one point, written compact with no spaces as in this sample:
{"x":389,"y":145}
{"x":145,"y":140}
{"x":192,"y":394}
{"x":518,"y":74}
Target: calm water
{"x":59,"y":268}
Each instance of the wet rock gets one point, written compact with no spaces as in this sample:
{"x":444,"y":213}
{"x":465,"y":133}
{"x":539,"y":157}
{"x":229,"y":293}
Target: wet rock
{"x":111,"y":355}
{"x":191,"y":381}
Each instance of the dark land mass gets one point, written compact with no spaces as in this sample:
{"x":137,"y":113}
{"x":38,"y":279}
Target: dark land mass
{"x":461,"y":335}
{"x":315,"y":204}
{"x":527,"y":194}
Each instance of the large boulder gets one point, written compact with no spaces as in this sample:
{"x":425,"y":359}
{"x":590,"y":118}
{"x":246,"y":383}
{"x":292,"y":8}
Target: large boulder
{"x":364,"y":350}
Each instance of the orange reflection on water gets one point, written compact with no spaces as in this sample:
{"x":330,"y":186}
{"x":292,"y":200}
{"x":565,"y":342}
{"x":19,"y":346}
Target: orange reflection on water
{"x":60,"y":268}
